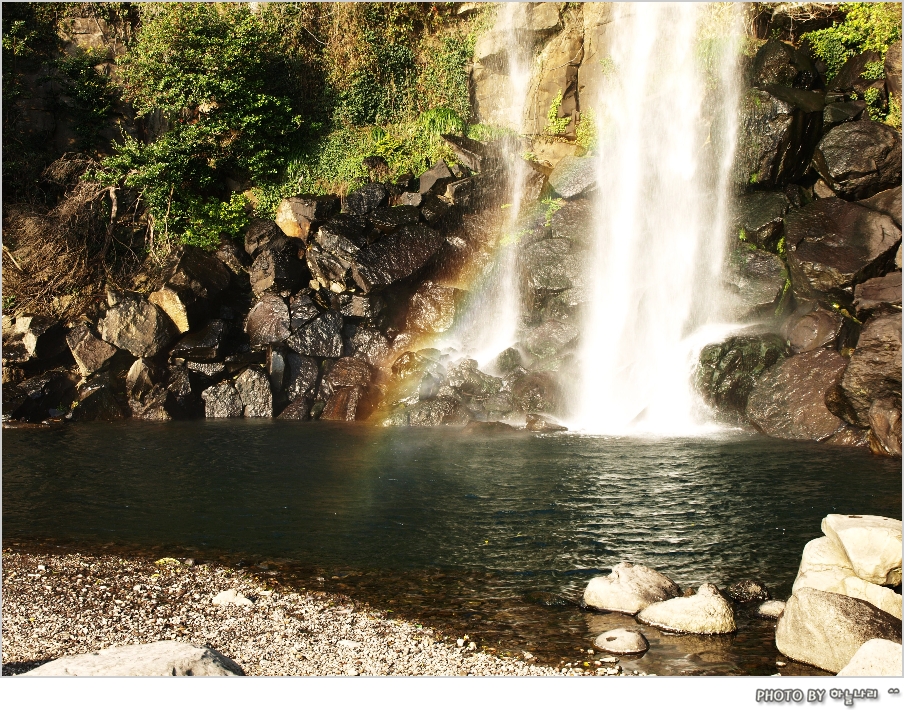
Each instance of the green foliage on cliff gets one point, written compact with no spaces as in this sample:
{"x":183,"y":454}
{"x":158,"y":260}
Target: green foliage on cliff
{"x":867,"y":26}
{"x":90,"y":94}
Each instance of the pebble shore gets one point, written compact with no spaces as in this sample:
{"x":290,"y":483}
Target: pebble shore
{"x":65,"y":604}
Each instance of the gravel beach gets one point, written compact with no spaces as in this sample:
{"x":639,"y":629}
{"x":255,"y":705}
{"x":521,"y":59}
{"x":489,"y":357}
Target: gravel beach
{"x":65,"y":604}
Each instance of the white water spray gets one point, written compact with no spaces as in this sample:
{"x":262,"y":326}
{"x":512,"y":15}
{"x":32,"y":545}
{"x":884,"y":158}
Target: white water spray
{"x":667,"y":125}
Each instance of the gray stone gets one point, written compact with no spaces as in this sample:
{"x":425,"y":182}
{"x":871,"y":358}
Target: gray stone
{"x":621,"y":642}
{"x":431,"y":413}
{"x":629,"y":589}
{"x":706,"y":612}
{"x":859,"y":159}
{"x":133,"y":324}
{"x":770,"y":610}
{"x":89,"y":351}
{"x":320,"y":337}
{"x":826,"y":630}
{"x":436,"y":178}
{"x":268,"y":320}
{"x":221,"y":400}
{"x":253,"y":387}
{"x":842,"y":112}
{"x":162,"y":658}
{"x":877,"y":657}
{"x":573,"y":176}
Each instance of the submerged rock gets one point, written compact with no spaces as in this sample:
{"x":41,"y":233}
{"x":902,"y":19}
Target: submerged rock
{"x":877,"y":657}
{"x":826,"y":629}
{"x":629,"y":588}
{"x":433,"y":412}
{"x":162,"y":658}
{"x":621,"y":642}
{"x":535,"y":422}
{"x":706,"y":612}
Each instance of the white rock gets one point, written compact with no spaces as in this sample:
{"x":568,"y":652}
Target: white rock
{"x":875,"y":657}
{"x":629,"y":589}
{"x":826,"y":629}
{"x":824,"y":555}
{"x":621,"y":641}
{"x":350,"y":644}
{"x":163,"y":658}
{"x":770,"y":610}
{"x":231,"y":596}
{"x":707,"y":612}
{"x":872,"y":543}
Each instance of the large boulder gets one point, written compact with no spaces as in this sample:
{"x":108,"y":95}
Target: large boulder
{"x":758,"y":280}
{"x":759,"y":218}
{"x":535,"y":392}
{"x":778,"y":63}
{"x":727,"y":371}
{"x":295,"y":215}
{"x":276,"y":268}
{"x":552,"y":265}
{"x":874,"y":371}
{"x":268,"y":320}
{"x":435,"y":179}
{"x":871,"y":542}
{"x":320,"y":337}
{"x":788,"y":402}
{"x":253,"y":387}
{"x":859,"y":159}
{"x":89,"y":351}
{"x":833,"y":245}
{"x":396,"y":256}
{"x":432,"y":308}
{"x":97,"y":401}
{"x":706,"y":612}
{"x":573,"y":176}
{"x":826,"y":630}
{"x":343,"y":404}
{"x":621,"y":642}
{"x":885,"y":426}
{"x":365,"y":200}
{"x":161,"y":658}
{"x":819,"y":328}
{"x":877,"y":657}
{"x":888,"y":202}
{"x":221,"y":401}
{"x":629,"y":588}
{"x":881,"y":295}
{"x":133,"y":324}
{"x":193,"y":280}
{"x":203,"y":344}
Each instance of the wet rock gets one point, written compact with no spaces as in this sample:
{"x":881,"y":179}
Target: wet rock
{"x":553,"y":265}
{"x":133,"y":324}
{"x":342,"y":236}
{"x":758,"y":279}
{"x":535,"y":392}
{"x":621,"y":642}
{"x":885,"y":427}
{"x":365,"y":200}
{"x":260,"y":234}
{"x":342,"y":405}
{"x":833,"y":244}
{"x":222,"y":400}
{"x":849,"y":76}
{"x":888,"y":202}
{"x":276,"y":268}
{"x":876,"y":657}
{"x":629,"y":589}
{"x":707,"y":612}
{"x":198,"y":271}
{"x":467,"y":379}
{"x":204,"y":344}
{"x":295,"y":215}
{"x":320,"y":337}
{"x":389,"y":219}
{"x":551,"y":338}
{"x":415,"y":363}
{"x":32,"y":399}
{"x":34,"y":337}
{"x":573,"y":176}
{"x":748,"y":591}
{"x":759,"y":218}
{"x":353,"y":305}
{"x":432,"y":308}
{"x":184,"y":308}
{"x":508,"y":360}
{"x":162,"y":658}
{"x":97,"y":402}
{"x":182,"y":388}
{"x":881,"y":295}
{"x":371,"y":345}
{"x":872,"y":543}
{"x":817,"y":329}
{"x":779,"y":63}
{"x":301,"y":375}
{"x":433,"y":412}
{"x":770,"y":610}
{"x":349,"y":372}
{"x":396,"y":256}
{"x":874,"y":370}
{"x":140,"y":378}
{"x":475,"y":155}
{"x":299,"y":409}
{"x":268,"y":321}
{"x":461,"y":193}
{"x":434,"y":209}
{"x":301,"y":310}
{"x":842,"y":112}
{"x":543,"y":424}
{"x":234,"y":257}
{"x":89,"y":351}
{"x":435,"y":179}
{"x":859,"y":159}
{"x":253,"y":387}
{"x":727,"y":371}
{"x":826,"y":629}
{"x":788,"y":401}
{"x":411,"y":198}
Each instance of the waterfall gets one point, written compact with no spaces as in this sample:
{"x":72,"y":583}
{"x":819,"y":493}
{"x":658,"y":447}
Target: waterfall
{"x":666,"y":119}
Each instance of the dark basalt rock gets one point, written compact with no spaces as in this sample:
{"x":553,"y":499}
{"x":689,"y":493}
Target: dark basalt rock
{"x":343,"y":238}
{"x":817,"y":329}
{"x":850,"y":75}
{"x":885,"y":427}
{"x":410,"y":363}
{"x":133,"y":324}
{"x":778,"y":63}
{"x":842,"y":112}
{"x":97,"y":402}
{"x":552,"y":265}
{"x":183,"y":387}
{"x":788,"y":402}
{"x":276,"y":268}
{"x":874,"y":371}
{"x":888,"y":202}
{"x":349,"y":372}
{"x":299,"y":409}
{"x":366,"y":200}
{"x":433,"y":412}
{"x":396,"y":256}
{"x":253,"y":387}
{"x":859,"y":159}
{"x":748,"y":591}
{"x":34,"y":337}
{"x":371,"y":345}
{"x":321,"y":337}
{"x":301,"y":376}
{"x":412,"y":199}
{"x":467,"y":379}
{"x":881,"y":295}
{"x":432,"y":308}
{"x":233,"y":257}
{"x":551,"y":338}
{"x":435,"y":179}
{"x":759,"y":218}
{"x":204,"y":344}
{"x":833,"y":244}
{"x":301,"y":310}
{"x":268,"y":320}
{"x":221,"y":401}
{"x":535,"y":392}
{"x":727,"y":371}
{"x":574,"y":220}
{"x":260,"y":234}
{"x":315,"y":207}
{"x":573,"y":176}
{"x":351,"y":305}
{"x":389,"y":219}
{"x":32,"y":399}
{"x":198,"y":271}
{"x":342,"y":405}
{"x":542,"y":424}
{"x":474,"y":154}
{"x":434,"y":209}
{"x":461,"y":193}
{"x":90,"y":352}
{"x":329,"y":271}
{"x":776,"y":140}
{"x":758,"y":279}
{"x":508,"y":360}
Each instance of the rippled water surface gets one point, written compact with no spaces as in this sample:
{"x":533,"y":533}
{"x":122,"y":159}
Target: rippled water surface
{"x":488,"y":533}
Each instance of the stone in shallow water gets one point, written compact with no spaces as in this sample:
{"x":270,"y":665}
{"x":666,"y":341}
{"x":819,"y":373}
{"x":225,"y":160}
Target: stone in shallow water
{"x":770,"y":610}
{"x":707,"y":612}
{"x":748,"y":591}
{"x":535,"y":422}
{"x":621,"y":641}
{"x":163,"y":658}
{"x":629,"y":589}
{"x":221,"y":401}
{"x":254,"y":388}
{"x":877,"y":657}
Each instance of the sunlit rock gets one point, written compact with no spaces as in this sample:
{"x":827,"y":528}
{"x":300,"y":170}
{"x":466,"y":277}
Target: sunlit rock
{"x":629,"y":588}
{"x":706,"y":612}
{"x":877,"y":657}
{"x":872,"y":543}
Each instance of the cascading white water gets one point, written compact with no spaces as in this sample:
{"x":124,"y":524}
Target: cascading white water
{"x":495,"y":308}
{"x":667,"y":128}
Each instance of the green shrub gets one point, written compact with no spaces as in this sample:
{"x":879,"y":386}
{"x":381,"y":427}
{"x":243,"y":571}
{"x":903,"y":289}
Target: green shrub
{"x":90,"y":93}
{"x":556,"y":126}
{"x":866,"y":26}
